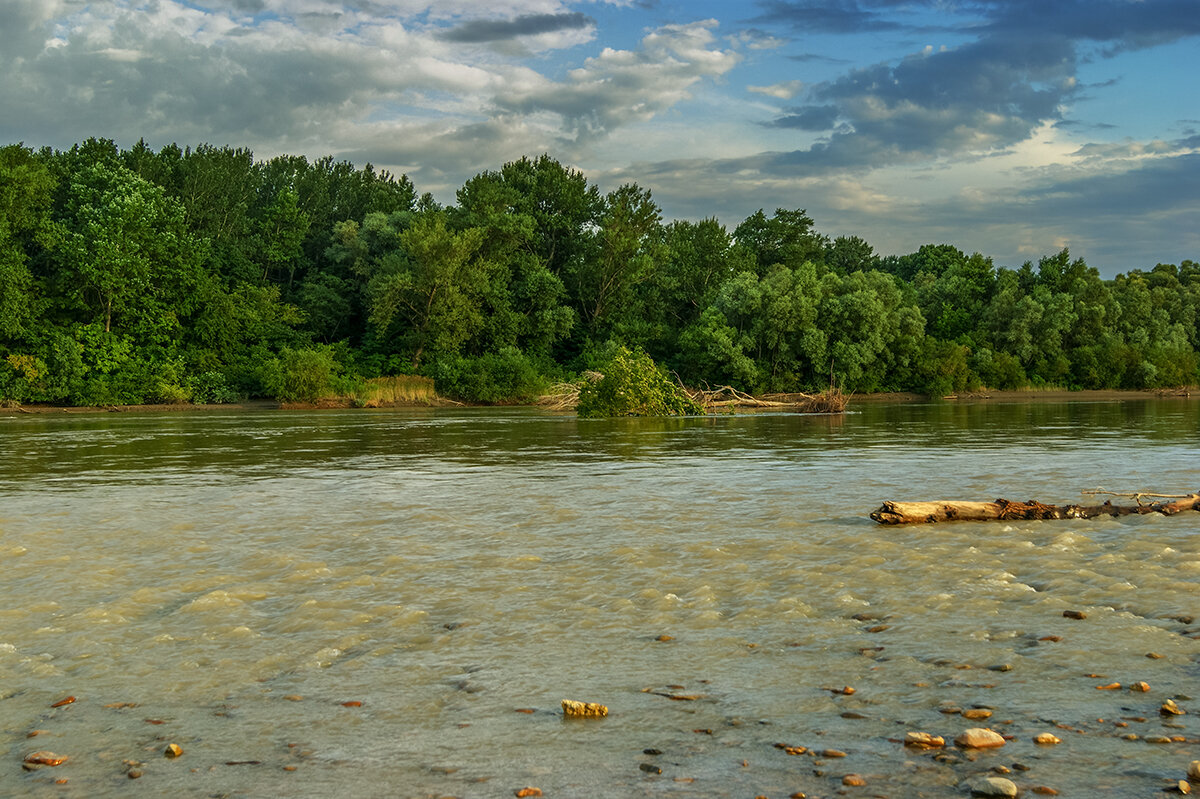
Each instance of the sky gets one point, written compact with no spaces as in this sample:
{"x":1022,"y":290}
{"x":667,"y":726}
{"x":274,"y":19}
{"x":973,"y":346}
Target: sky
{"x":1013,"y":128}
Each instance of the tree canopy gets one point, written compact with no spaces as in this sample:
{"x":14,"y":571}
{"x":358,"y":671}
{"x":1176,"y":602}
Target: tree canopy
{"x":135,"y":275}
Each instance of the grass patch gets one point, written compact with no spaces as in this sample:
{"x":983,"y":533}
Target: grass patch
{"x":399,"y":390}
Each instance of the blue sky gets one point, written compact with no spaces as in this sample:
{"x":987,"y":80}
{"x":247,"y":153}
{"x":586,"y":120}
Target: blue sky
{"x":1008,"y":127}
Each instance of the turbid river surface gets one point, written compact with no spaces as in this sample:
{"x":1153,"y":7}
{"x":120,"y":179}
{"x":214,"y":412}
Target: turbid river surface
{"x":393,"y":603}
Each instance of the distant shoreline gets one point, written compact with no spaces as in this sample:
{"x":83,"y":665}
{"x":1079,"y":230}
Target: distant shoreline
{"x":985,"y":397}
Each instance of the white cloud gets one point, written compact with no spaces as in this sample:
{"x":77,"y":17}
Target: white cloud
{"x":784,"y":91}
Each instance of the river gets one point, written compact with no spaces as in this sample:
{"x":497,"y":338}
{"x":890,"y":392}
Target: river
{"x":393,"y":603}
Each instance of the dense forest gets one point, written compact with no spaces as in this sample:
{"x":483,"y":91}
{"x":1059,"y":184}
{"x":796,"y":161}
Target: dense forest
{"x":203,"y":275}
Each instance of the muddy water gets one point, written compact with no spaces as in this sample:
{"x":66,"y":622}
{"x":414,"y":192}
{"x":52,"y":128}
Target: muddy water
{"x":237,"y":577}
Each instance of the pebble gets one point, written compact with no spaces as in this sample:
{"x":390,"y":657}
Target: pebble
{"x":923,"y":740}
{"x":67,"y":701}
{"x":979,"y":738}
{"x":1047,"y":739}
{"x":977,"y":713}
{"x":1154,"y":656}
{"x":1193,"y":771}
{"x":1184,"y":787}
{"x":133,"y":773}
{"x":832,"y":753}
{"x":665,"y":638}
{"x":650,"y":768}
{"x":527,"y":792}
{"x":173,"y":750}
{"x":854,"y":780}
{"x":1157,"y":739}
{"x":583,"y":709}
{"x":1141,"y":687}
{"x":1169,"y":708}
{"x":1044,"y":790}
{"x":1001,"y":667}
{"x":44,"y":758}
{"x":1112,"y":686}
{"x":1074,"y":614}
{"x":993,"y":786}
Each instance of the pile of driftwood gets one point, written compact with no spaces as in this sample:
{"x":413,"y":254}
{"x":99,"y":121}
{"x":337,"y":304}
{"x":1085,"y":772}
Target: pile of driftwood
{"x":1006,"y":510}
{"x":724,"y":398}
{"x":565,"y":396}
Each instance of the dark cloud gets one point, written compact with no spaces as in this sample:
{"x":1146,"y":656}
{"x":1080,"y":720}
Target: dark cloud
{"x":479,"y":31}
{"x":978,"y":98}
{"x":825,"y":16}
{"x":813,"y":117}
{"x":1123,"y":24}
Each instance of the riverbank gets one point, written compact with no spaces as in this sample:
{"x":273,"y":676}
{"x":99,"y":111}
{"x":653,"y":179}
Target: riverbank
{"x":982,"y":396}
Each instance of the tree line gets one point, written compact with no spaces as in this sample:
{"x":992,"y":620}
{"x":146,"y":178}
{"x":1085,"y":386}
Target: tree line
{"x":201,"y":274}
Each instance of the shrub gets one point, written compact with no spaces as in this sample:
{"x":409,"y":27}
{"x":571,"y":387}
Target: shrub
{"x":302,"y":375}
{"x":633,"y":385}
{"x":211,"y":388}
{"x":504,"y":376}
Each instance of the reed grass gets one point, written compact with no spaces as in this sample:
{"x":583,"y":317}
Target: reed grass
{"x":398,"y":390}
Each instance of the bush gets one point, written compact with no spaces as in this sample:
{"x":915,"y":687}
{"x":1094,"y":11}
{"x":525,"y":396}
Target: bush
{"x":504,"y":376}
{"x":301,"y":375}
{"x":211,"y":388}
{"x":633,"y":385}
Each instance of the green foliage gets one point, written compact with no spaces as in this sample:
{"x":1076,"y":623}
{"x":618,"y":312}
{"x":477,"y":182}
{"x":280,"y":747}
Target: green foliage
{"x":494,"y":377}
{"x":212,"y":388}
{"x":633,"y":385}
{"x":200,"y":273}
{"x":305,"y":375}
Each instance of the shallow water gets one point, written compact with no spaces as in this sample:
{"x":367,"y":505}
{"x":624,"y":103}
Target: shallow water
{"x":238,"y":576}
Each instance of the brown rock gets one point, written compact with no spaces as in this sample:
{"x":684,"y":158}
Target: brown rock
{"x":1112,"y":686}
{"x":352,"y":703}
{"x":832,"y":753}
{"x":979,"y":738}
{"x":1051,"y":638}
{"x":67,"y":701}
{"x":1169,"y":708}
{"x":173,"y":750}
{"x":855,"y":780}
{"x":35,"y":733}
{"x":1154,"y":656}
{"x":977,"y":713}
{"x":527,"y":792}
{"x":133,"y":773}
{"x":572,"y":709}
{"x":525,"y":710}
{"x":1044,"y":790}
{"x":294,"y":698}
{"x":1193,"y":771}
{"x":878,"y":628}
{"x":1047,"y":739}
{"x":923,"y":740}
{"x":1140,"y":687}
{"x":665,"y":638}
{"x":44,"y":758}
{"x":1183,"y":786}
{"x":1074,"y":614}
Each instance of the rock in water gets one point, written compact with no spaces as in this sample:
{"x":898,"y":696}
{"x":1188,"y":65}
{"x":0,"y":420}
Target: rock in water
{"x":993,"y":787}
{"x":979,"y":738}
{"x":1047,"y":739}
{"x":923,"y":740}
{"x":572,"y":709}
{"x":1193,"y":771}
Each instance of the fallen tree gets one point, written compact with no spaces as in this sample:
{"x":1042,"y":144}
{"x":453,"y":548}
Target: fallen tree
{"x":1008,"y":510}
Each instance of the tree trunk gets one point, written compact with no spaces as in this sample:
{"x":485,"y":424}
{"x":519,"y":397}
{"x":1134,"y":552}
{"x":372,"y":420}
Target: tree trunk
{"x":1004,"y":510}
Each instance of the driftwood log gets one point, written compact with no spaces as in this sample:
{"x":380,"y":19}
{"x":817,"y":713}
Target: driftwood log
{"x":1005,"y":510}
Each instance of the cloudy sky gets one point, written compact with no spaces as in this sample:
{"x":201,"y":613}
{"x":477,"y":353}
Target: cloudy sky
{"x":1008,"y":127}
